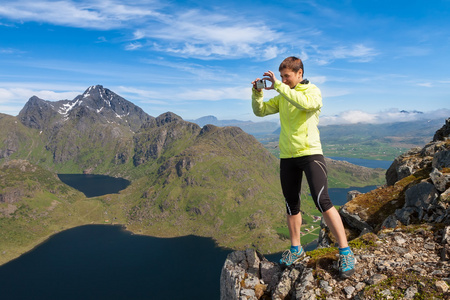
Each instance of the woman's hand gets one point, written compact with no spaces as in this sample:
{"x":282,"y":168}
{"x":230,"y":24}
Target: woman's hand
{"x":254,"y":84}
{"x":270,"y":77}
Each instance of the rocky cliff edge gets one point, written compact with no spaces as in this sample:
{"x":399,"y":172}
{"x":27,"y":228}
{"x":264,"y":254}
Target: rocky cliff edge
{"x":400,"y":234}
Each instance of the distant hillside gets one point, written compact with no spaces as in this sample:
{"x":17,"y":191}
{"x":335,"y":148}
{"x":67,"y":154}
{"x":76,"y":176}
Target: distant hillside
{"x":377,"y":141}
{"x":401,"y":134}
{"x":35,"y":204}
{"x":369,"y":141}
{"x":255,"y":128}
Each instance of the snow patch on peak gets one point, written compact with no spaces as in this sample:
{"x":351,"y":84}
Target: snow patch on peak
{"x":67,"y":107}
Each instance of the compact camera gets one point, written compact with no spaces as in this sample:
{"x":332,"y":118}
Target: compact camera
{"x":261,"y":84}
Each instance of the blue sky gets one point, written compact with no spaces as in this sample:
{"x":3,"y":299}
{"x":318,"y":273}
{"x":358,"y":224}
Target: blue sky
{"x":371,"y":59}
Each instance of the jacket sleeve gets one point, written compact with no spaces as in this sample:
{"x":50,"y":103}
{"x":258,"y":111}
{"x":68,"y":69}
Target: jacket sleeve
{"x":261,"y":108}
{"x":309,"y":98}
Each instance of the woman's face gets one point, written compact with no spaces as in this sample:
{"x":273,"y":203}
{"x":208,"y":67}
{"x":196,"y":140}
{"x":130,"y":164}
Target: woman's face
{"x":290,"y":77}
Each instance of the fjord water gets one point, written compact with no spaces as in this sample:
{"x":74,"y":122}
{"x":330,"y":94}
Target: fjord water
{"x":108,"y":262}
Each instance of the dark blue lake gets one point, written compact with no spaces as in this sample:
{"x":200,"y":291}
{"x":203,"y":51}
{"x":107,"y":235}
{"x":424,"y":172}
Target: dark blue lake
{"x":94,"y":185}
{"x":339,"y":195}
{"x":107,"y":262}
{"x":369,"y":163}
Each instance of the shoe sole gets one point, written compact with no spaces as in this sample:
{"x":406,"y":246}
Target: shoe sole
{"x":347,"y":274}
{"x":297,"y":260}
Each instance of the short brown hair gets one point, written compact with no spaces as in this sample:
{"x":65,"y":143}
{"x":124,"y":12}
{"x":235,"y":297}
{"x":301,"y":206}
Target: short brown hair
{"x":293,"y":63}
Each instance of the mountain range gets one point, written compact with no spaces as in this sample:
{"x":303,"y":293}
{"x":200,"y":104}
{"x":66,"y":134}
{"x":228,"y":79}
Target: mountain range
{"x":414,"y":132}
{"x":255,"y":128}
{"x":210,"y":181}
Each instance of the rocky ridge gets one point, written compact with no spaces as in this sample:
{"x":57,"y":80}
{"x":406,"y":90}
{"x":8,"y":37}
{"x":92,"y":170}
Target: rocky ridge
{"x":400,"y":234}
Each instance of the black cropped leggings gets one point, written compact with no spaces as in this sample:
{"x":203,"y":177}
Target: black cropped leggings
{"x":291,"y":173}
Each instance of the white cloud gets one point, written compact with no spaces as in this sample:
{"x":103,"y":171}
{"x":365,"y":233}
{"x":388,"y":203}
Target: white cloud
{"x":100,"y":14}
{"x":145,"y":95}
{"x":7,"y":25}
{"x":217,"y":94}
{"x":321,"y":61}
{"x":208,"y":35}
{"x":203,"y":34}
{"x":354,"y":53}
{"x":23,"y":94}
{"x":6,"y":51}
{"x":425,"y":84}
{"x":138,"y":34}
{"x":101,"y":39}
{"x":142,"y":95}
{"x":133,"y":46}
{"x":354,"y":117}
{"x":14,"y":97}
{"x":10,"y":51}
{"x":271,"y":52}
{"x":304,"y":56}
{"x":333,"y":92}
{"x":389,"y":116}
{"x":200,"y":71}
{"x":318,"y":79}
{"x":55,"y":96}
{"x":189,"y":33}
{"x":209,"y":27}
{"x":358,"y":53}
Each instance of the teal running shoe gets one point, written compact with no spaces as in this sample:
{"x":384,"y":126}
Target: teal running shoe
{"x":347,"y":262}
{"x":290,"y":258}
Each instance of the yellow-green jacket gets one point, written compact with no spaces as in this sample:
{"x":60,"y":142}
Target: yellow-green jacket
{"x":299,"y":110}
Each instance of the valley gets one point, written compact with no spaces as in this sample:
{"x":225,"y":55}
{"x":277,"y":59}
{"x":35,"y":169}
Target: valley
{"x":210,"y":181}
{"x":367,"y":141}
